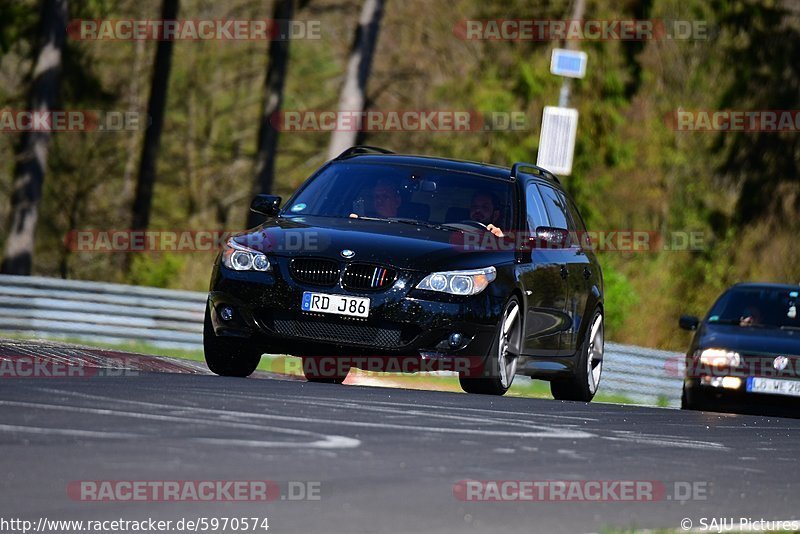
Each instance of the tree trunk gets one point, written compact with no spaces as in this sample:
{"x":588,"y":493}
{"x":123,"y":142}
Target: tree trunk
{"x":143,"y":199}
{"x":31,"y":153}
{"x":354,"y":91}
{"x":134,"y":100}
{"x":278,"y":56}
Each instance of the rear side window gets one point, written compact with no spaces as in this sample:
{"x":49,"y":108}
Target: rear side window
{"x":537,"y":216}
{"x":556,"y":206}
{"x":575,"y":215}
{"x":580,"y":237}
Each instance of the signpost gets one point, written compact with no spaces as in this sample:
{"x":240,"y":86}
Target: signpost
{"x":560,"y":124}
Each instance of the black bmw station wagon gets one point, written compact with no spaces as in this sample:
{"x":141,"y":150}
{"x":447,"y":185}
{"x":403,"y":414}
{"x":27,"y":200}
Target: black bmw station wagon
{"x":387,"y":257}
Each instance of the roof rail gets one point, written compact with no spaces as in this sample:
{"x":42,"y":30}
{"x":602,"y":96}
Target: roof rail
{"x":538,"y":171}
{"x":363,"y":149}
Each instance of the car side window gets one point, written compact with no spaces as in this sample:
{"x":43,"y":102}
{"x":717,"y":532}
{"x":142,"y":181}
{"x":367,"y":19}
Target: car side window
{"x":537,"y":216}
{"x":577,"y":227}
{"x":575,"y":215}
{"x":556,"y":207}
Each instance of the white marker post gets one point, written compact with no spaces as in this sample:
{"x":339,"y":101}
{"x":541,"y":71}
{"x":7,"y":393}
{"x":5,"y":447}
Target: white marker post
{"x":557,"y":139}
{"x":560,"y":124}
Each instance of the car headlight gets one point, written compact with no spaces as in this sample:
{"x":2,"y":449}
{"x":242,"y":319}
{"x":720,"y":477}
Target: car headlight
{"x":720,"y":358}
{"x":241,"y":258}
{"x":469,"y":282}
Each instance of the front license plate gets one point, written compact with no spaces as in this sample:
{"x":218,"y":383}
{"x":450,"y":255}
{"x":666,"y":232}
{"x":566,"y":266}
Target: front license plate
{"x":336,"y":304}
{"x":773,"y":386}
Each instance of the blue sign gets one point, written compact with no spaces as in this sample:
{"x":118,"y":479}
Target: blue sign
{"x":570,"y":63}
{"x":306,"y":305}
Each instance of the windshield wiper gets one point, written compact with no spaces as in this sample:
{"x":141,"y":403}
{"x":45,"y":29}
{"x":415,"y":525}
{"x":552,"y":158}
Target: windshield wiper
{"x":789,"y":327}
{"x":415,"y":222}
{"x":406,"y":220}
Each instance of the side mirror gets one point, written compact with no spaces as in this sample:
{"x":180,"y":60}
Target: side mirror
{"x":268,"y":205}
{"x":549,"y":237}
{"x":688,"y":322}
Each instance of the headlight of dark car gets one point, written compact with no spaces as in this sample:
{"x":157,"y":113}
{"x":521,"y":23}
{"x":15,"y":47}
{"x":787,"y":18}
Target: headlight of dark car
{"x":719,"y":358}
{"x":241,"y":258}
{"x":470,"y":282}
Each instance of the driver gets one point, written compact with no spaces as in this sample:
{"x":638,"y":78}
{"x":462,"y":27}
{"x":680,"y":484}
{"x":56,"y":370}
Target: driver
{"x":485,"y":208}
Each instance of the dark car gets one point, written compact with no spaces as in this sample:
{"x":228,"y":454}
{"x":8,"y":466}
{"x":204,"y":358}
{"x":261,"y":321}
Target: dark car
{"x":387,"y":258}
{"x":747,"y":349}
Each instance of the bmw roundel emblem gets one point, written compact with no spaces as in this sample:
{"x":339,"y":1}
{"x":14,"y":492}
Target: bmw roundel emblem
{"x":347,"y":253}
{"x":780,"y":363}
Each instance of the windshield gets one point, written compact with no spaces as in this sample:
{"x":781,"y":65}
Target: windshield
{"x":408,"y":192}
{"x":766,"y":307}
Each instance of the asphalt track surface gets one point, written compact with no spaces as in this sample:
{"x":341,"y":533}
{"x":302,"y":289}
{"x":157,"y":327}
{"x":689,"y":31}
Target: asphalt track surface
{"x":385,"y":460}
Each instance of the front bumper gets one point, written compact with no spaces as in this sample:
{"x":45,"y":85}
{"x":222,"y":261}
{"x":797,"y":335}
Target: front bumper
{"x":402,"y":321}
{"x":737,"y":389}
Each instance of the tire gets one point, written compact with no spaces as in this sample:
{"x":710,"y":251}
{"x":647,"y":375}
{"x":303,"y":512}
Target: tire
{"x":313,"y":373}
{"x":501,"y":365}
{"x":229,"y":356}
{"x":693,"y":400}
{"x":588,"y":367}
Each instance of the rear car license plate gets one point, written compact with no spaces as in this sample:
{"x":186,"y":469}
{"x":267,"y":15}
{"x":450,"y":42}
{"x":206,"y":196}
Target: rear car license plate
{"x":773,"y":386}
{"x":335,"y":304}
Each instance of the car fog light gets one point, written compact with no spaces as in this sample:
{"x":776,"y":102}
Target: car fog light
{"x":226,"y":313}
{"x":731,"y":382}
{"x":456,"y":339}
{"x":713,"y":381}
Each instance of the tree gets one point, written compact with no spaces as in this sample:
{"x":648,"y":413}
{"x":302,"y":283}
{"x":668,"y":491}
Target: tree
{"x":31,"y":154}
{"x":278,"y":57}
{"x":354,"y":90}
{"x":762,"y":54}
{"x":155,"y":111}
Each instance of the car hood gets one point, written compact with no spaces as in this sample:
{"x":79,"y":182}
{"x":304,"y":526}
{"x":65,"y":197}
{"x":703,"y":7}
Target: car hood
{"x":400,"y":245}
{"x":751,"y":340}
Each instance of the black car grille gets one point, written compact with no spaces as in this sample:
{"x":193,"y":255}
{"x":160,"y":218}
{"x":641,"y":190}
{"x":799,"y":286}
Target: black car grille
{"x":364,"y":276}
{"x":339,"y":333}
{"x":314,"y":271}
